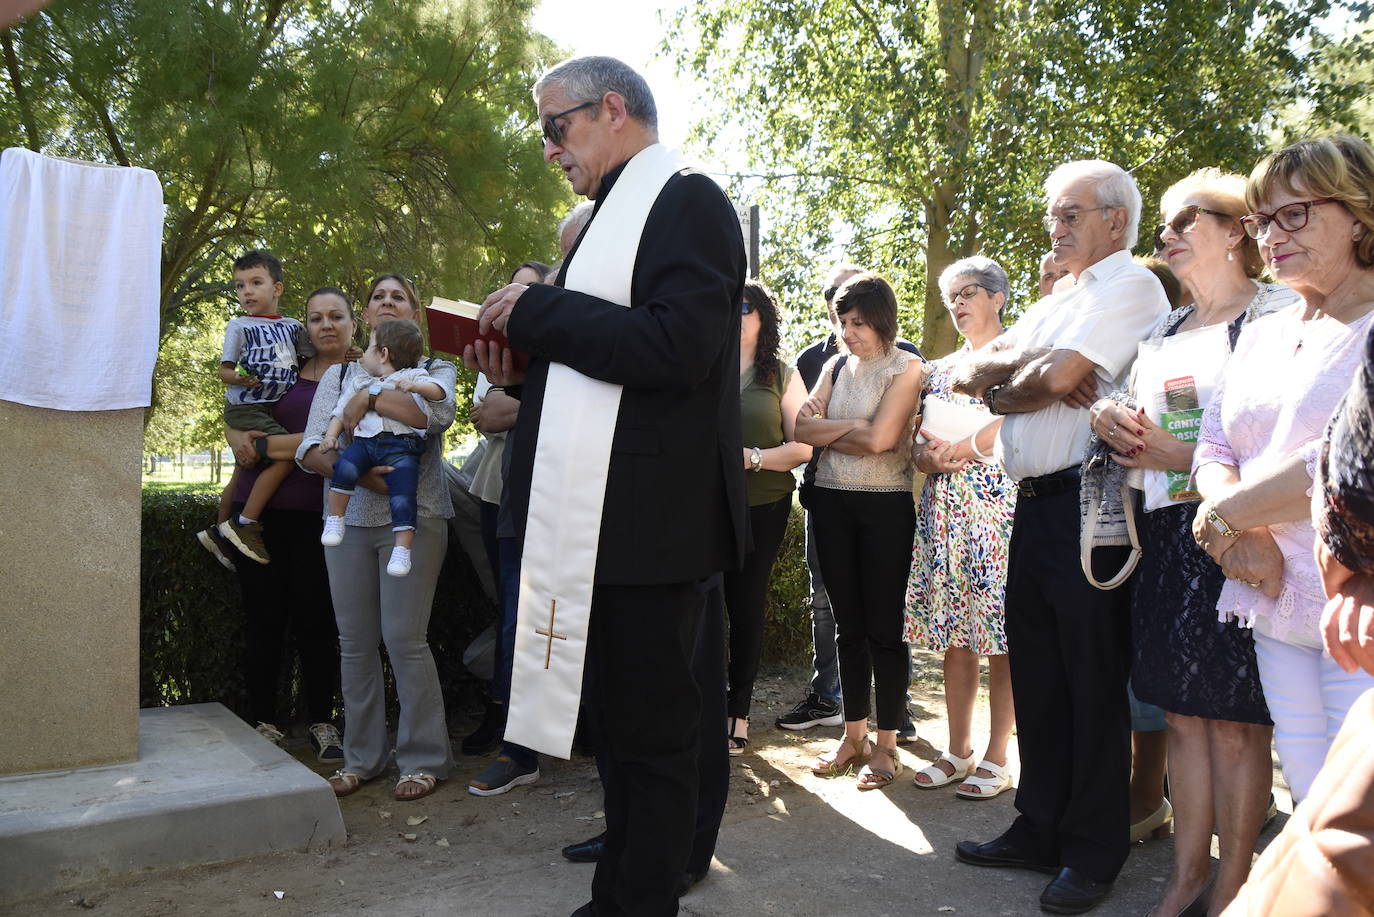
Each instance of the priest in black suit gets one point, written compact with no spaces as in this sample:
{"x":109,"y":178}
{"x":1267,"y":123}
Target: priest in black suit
{"x":674,"y":508}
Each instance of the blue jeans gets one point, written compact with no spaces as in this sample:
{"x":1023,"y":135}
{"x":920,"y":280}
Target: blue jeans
{"x":402,"y":453}
{"x":508,"y":588}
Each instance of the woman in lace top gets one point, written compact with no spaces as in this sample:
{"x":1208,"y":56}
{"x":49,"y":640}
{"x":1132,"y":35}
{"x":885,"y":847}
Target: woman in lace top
{"x":861,"y":414}
{"x":1262,"y":431}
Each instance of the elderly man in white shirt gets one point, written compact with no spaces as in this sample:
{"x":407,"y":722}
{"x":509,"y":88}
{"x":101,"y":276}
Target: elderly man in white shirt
{"x":1068,"y":641}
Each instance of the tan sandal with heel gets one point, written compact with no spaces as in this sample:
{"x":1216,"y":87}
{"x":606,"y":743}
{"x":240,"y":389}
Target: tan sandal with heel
{"x":875,"y":778}
{"x":828,"y":764}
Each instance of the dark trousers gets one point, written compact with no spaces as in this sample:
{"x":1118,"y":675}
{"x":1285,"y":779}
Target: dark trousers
{"x":1069,"y":647}
{"x":864,"y":543}
{"x":713,"y":759}
{"x":746,"y":593}
{"x":646,"y":710}
{"x":289,"y":596}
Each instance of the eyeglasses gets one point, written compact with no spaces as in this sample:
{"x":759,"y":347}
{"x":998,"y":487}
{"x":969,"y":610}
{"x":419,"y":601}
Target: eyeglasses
{"x":1183,"y":221}
{"x":1289,"y":218}
{"x":745,"y":307}
{"x":967,"y":292}
{"x":1069,"y":217}
{"x":552,"y":132}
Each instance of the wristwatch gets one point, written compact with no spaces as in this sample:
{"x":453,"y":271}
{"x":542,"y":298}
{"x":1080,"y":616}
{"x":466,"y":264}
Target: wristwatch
{"x":373,"y":391}
{"x":988,"y":397}
{"x":755,"y":459}
{"x":1220,"y":525}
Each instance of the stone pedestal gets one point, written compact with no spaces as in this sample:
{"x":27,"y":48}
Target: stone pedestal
{"x":69,"y":566}
{"x":205,"y":788}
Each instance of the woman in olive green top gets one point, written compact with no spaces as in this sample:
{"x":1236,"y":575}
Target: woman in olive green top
{"x":770,"y":394}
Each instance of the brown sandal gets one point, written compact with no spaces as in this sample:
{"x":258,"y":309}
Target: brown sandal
{"x":875,"y":778}
{"x":827,"y":765}
{"x":345,"y":783}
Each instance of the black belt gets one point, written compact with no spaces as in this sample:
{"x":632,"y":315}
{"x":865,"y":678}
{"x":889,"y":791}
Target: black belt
{"x":1047,"y":484}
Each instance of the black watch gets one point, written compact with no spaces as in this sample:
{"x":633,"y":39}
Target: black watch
{"x":990,"y":396}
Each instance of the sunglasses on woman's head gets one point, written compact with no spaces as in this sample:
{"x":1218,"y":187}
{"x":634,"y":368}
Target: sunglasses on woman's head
{"x":1183,"y":221}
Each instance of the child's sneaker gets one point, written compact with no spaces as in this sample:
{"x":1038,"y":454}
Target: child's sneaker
{"x":333,"y":531}
{"x":211,"y":540}
{"x":247,"y":538}
{"x":400,"y":561}
{"x":327,"y":742}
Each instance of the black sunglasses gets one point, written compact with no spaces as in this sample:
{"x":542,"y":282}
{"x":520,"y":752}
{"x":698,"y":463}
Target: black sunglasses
{"x":552,"y":132}
{"x":745,"y":307}
{"x":1183,"y":221}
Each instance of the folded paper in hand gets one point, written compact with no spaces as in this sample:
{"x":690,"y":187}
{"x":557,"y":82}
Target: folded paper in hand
{"x":944,"y":420}
{"x":453,"y":326}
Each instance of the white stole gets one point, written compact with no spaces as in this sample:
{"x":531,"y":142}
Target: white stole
{"x":568,"y":486}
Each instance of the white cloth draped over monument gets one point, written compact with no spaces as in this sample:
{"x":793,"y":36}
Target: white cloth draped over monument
{"x":576,"y":427}
{"x":80,"y":278}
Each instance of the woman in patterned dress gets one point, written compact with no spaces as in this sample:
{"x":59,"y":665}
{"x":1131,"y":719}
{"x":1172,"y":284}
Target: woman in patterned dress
{"x":959,"y":557}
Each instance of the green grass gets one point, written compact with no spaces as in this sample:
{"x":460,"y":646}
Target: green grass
{"x":181,"y":487}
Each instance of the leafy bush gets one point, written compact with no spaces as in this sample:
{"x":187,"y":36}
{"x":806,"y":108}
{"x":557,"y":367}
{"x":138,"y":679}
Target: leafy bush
{"x":191,"y":634}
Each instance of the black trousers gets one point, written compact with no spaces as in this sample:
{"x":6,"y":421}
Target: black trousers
{"x":713,"y":759}
{"x":647,"y":712}
{"x":746,"y":594}
{"x":1069,"y":647}
{"x":289,"y":597}
{"x":863,"y":540}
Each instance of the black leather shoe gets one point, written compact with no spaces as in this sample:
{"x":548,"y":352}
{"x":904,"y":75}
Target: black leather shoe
{"x":999,"y":852}
{"x":689,"y":879}
{"x":588,"y":851}
{"x":1072,"y":892}
{"x":584,"y":911}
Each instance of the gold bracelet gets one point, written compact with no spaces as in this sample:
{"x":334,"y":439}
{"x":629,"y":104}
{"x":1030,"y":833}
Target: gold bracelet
{"x":1220,"y":525}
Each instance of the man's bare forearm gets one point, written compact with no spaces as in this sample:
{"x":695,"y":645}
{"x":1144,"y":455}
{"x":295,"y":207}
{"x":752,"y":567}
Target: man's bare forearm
{"x":976,"y":376}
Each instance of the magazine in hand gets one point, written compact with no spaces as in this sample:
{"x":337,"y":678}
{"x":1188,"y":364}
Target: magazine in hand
{"x":453,"y":326}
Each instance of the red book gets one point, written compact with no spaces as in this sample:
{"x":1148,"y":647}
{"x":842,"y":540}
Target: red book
{"x":453,"y":326}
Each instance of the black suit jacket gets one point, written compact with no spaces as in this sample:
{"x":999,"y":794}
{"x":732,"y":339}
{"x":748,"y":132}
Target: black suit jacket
{"x":675,"y":507}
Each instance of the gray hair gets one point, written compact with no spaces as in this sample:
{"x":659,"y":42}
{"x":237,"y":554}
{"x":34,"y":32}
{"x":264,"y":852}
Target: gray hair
{"x":588,"y":79}
{"x":576,"y":218}
{"x":1113,"y":185}
{"x":985,"y":272}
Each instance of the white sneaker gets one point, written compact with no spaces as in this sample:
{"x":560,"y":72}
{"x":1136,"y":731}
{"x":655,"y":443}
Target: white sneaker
{"x":400,"y":561}
{"x":333,"y":531}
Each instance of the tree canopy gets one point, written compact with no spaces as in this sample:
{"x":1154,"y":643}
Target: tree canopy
{"x":912,"y":135}
{"x":350,"y":136}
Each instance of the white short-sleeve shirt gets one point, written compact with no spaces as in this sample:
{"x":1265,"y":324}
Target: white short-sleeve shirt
{"x":1104,"y":316}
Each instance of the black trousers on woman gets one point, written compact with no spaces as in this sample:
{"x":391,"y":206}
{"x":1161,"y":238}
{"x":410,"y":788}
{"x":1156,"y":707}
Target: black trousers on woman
{"x":746,"y":593}
{"x":289,"y":596}
{"x":863,"y":539}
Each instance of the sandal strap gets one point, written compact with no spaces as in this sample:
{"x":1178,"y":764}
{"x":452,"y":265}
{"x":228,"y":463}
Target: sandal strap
{"x":957,"y":762}
{"x":998,"y":771}
{"x":425,"y":780}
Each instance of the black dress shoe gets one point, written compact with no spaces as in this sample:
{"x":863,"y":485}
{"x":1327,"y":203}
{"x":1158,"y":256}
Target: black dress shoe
{"x":584,"y":911}
{"x":588,"y":851}
{"x":999,"y":852}
{"x":1072,"y":892}
{"x":689,"y":879}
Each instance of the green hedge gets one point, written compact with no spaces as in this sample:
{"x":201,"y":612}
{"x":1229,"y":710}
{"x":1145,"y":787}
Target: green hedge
{"x":191,"y":639}
{"x":191,"y":635}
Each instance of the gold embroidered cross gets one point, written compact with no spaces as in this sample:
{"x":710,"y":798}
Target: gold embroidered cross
{"x":548,"y":650}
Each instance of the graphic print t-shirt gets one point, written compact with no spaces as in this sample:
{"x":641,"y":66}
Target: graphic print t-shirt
{"x":266,"y":348}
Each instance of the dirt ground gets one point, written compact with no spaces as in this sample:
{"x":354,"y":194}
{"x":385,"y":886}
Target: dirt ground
{"x":792,"y":844}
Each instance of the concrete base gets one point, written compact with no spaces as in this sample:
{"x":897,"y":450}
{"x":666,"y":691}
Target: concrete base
{"x":205,"y":788}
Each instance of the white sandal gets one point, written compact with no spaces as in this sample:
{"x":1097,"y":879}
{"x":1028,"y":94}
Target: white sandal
{"x":987,"y":787}
{"x":425,"y":782}
{"x":939,"y":778}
